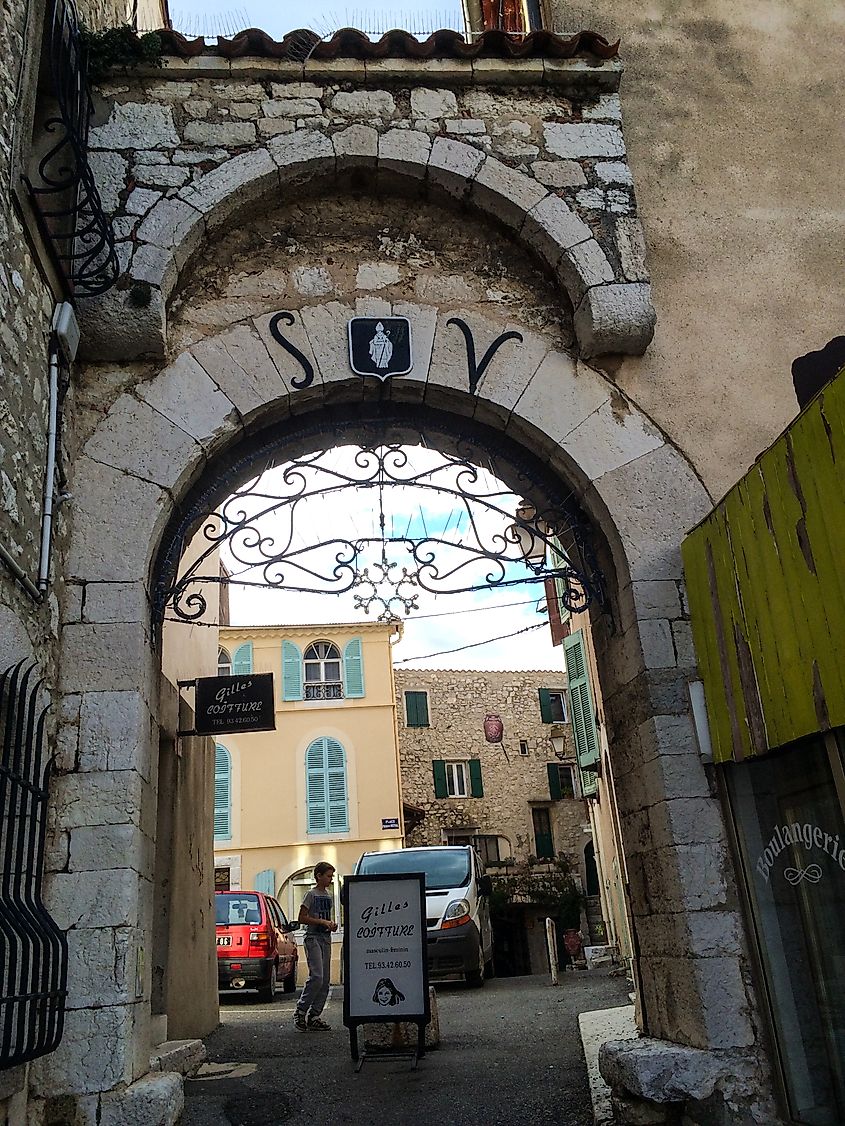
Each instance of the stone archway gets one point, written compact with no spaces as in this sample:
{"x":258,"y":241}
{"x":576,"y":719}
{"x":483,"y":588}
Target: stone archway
{"x":157,"y":440}
{"x":611,"y":314}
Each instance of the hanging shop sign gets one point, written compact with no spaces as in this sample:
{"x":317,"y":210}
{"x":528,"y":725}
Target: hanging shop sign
{"x":385,"y":953}
{"x":227,"y":705}
{"x":380,"y":346}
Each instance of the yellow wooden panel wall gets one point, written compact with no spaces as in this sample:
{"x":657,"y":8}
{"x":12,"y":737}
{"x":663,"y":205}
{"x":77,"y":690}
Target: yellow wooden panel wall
{"x":765,"y":574}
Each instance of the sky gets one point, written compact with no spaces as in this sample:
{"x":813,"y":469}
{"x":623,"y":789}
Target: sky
{"x":214,"y":17}
{"x":443,"y":630}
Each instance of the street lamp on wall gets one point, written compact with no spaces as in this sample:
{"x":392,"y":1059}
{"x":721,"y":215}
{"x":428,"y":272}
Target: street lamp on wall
{"x":557,"y":738}
{"x":528,"y":534}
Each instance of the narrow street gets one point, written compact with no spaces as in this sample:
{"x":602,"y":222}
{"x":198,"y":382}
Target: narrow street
{"x":509,"y":1053}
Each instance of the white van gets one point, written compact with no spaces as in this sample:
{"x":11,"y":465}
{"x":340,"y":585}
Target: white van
{"x":457,"y":897}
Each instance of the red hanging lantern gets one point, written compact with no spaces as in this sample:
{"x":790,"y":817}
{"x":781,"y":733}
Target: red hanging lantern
{"x":494,"y":729}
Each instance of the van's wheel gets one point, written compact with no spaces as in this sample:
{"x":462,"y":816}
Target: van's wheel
{"x":268,"y":992}
{"x":475,"y":978}
{"x":289,"y":982}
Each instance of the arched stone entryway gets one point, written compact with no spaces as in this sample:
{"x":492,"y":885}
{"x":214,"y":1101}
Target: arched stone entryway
{"x":155,"y":440}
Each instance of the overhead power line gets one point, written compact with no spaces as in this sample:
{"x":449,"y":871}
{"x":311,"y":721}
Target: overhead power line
{"x":472,"y":645}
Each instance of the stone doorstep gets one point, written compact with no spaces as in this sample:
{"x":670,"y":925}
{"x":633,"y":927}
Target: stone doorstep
{"x":184,"y":1056}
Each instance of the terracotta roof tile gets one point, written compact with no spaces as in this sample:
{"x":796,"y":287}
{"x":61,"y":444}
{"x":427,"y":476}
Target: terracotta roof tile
{"x":349,"y":43}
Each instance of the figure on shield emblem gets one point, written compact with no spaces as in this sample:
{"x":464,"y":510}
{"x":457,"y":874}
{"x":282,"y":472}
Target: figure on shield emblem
{"x":380,"y":347}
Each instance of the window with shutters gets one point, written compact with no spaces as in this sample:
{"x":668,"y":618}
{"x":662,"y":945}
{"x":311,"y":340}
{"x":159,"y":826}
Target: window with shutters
{"x":583,"y":714}
{"x":323,"y":681}
{"x":416,"y":709}
{"x":458,"y":779}
{"x":224,"y":662}
{"x":561,"y":781}
{"x":222,"y":794}
{"x":325,"y":787}
{"x":321,"y":673}
{"x":552,"y":705}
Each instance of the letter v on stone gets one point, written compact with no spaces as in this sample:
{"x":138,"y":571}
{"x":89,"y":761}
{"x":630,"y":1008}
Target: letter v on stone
{"x":476,"y":371}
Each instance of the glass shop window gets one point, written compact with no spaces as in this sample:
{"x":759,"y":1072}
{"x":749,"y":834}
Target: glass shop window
{"x":788,"y":816}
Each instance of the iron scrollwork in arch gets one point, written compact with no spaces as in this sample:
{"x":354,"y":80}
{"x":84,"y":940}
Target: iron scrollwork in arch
{"x":484,"y":543}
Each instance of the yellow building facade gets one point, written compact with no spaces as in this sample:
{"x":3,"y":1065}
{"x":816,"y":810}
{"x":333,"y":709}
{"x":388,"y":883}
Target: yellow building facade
{"x":325,"y":784}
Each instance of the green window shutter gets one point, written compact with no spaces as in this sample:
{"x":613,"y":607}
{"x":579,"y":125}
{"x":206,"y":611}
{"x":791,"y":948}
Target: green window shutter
{"x":476,"y":787}
{"x":242,"y":659}
{"x":222,"y":793}
{"x":291,"y":671}
{"x":325,"y":787}
{"x":441,"y":790}
{"x":555,"y":792}
{"x":583,"y":715}
{"x":316,"y":798}
{"x":266,"y":881}
{"x":416,"y":709}
{"x":353,"y":669}
{"x":545,"y":705}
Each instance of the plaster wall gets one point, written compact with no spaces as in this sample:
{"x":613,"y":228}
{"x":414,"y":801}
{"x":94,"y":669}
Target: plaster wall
{"x":734,"y":137}
{"x":269,"y":825}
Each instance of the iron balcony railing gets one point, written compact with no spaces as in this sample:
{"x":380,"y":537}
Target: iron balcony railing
{"x":33,"y":951}
{"x":60,"y":181}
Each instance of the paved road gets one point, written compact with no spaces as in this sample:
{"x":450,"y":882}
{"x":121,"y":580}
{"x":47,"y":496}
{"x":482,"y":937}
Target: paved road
{"x":510,"y":1054}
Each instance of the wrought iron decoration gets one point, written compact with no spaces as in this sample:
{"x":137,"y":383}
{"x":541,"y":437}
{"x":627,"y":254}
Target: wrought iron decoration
{"x":387,"y":569}
{"x":62,"y":187}
{"x":33,"y":966}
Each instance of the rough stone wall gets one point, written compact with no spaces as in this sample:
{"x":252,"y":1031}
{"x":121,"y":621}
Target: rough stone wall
{"x":163,"y":136}
{"x":26,"y":308}
{"x":458,"y":700}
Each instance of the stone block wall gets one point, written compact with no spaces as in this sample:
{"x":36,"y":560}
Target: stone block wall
{"x":179,"y":150}
{"x":458,"y":700}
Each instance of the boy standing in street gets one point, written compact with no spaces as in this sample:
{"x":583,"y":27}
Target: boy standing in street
{"x":316,"y":915}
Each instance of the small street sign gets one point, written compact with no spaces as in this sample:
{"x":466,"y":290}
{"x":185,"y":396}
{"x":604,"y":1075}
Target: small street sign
{"x":227,"y":705}
{"x":380,"y":346}
{"x":390,"y":822}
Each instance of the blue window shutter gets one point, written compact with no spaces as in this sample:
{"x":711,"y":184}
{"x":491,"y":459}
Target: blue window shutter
{"x":545,"y":706}
{"x":325,"y":787}
{"x":336,"y":787}
{"x":266,"y":881}
{"x":222,"y":793}
{"x":242,"y":659}
{"x":316,"y":798}
{"x":353,"y":669}
{"x":291,"y":671}
{"x":582,"y":712}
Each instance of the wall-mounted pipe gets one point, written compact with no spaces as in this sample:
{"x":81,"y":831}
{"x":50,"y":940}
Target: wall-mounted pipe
{"x":49,"y":476}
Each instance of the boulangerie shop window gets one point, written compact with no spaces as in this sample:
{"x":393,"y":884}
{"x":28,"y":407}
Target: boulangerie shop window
{"x":788,"y":820}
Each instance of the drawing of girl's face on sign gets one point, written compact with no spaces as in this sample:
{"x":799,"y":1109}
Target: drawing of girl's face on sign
{"x":386,"y":993}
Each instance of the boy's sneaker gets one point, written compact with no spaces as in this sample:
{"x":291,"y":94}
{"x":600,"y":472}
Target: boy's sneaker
{"x":315,"y":1024}
{"x":300,"y":1023}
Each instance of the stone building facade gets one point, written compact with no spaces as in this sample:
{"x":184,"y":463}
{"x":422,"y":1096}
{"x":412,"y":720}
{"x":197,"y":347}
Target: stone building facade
{"x":244,"y":184}
{"x":514,"y":774}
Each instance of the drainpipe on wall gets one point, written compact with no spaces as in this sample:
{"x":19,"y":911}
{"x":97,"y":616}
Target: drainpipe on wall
{"x":65,"y":340}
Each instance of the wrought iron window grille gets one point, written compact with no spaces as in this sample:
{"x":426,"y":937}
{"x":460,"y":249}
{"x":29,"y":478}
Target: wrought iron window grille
{"x":323,"y":691}
{"x":59,"y":179}
{"x":257,"y":524}
{"x":33,"y":966}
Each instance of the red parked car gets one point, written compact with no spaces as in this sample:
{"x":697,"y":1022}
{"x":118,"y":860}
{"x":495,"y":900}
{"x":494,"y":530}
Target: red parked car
{"x":255,"y":946}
